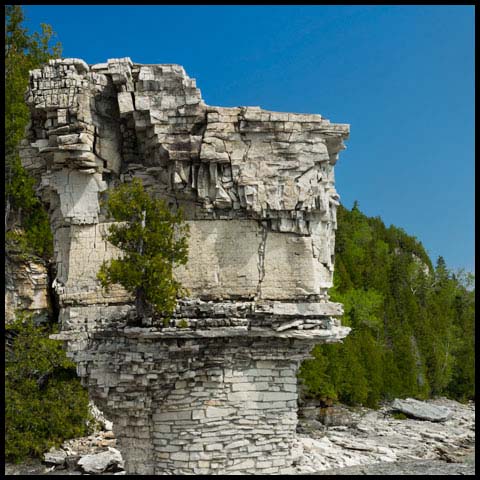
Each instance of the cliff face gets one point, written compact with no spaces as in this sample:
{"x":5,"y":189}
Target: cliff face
{"x":257,"y":188}
{"x":26,"y":288}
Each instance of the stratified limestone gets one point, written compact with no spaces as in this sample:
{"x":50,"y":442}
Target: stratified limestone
{"x":215,"y":391}
{"x":26,"y":288}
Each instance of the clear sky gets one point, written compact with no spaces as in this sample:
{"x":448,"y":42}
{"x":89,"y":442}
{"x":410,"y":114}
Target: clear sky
{"x":401,"y":76}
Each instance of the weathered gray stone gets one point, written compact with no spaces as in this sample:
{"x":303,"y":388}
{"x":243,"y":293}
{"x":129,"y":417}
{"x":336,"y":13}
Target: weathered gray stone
{"x":300,"y":309}
{"x":26,"y":288}
{"x":100,"y":462}
{"x":55,"y":456}
{"x":421,"y":410}
{"x":258,"y":193}
{"x":376,"y":436}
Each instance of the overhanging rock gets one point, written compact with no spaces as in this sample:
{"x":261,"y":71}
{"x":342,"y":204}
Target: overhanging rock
{"x":216,"y":390}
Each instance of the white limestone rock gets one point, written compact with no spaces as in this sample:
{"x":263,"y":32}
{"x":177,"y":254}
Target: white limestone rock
{"x":257,"y":189}
{"x":421,"y":410}
{"x":100,"y":462}
{"x":26,"y":288}
{"x":55,"y":456}
{"x":376,"y":437}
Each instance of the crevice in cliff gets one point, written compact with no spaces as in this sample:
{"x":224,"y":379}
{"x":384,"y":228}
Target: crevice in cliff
{"x":198,"y":129}
{"x":52,"y":295}
{"x":261,"y":257}
{"x":133,"y":100}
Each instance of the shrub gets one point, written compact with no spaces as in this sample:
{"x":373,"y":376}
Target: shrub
{"x":45,"y":403}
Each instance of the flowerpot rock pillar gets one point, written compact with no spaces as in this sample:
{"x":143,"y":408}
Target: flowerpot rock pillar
{"x":216,"y":390}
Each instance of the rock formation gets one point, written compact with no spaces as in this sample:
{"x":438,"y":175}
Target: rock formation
{"x":26,"y":288}
{"x":421,"y":410}
{"x":364,"y":437}
{"x":216,"y":391}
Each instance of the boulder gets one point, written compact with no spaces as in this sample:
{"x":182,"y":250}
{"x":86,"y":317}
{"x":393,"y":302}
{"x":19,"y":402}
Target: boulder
{"x":55,"y":457}
{"x":421,"y":410}
{"x":99,"y":417}
{"x":100,"y":462}
{"x":337,"y":415}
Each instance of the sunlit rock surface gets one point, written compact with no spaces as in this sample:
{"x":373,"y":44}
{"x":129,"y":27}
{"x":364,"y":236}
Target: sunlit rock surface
{"x":26,"y":288}
{"x":215,"y":391}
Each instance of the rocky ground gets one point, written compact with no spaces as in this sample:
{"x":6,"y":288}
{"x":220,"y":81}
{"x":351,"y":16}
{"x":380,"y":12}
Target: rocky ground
{"x":349,"y":442}
{"x":374,"y":442}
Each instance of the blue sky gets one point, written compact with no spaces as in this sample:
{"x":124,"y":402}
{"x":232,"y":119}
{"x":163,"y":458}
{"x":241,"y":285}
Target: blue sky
{"x":401,"y":76}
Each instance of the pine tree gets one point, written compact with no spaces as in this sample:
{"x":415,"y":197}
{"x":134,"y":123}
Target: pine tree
{"x":23,"y":52}
{"x":45,"y":402}
{"x":152,"y":240}
{"x":462,"y":382}
{"x":442,"y":341}
{"x":412,"y":325}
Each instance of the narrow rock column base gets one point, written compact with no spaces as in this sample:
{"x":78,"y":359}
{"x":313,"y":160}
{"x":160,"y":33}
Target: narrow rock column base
{"x":201,"y":406}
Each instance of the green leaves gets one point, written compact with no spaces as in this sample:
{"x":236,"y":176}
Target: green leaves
{"x":413,"y":326}
{"x":23,"y":52}
{"x":153,"y":240}
{"x":36,"y":394}
{"x":44,"y":400}
{"x":362,"y":308}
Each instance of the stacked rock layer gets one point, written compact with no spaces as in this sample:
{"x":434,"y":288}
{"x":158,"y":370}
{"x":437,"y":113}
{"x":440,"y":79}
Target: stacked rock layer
{"x":215,"y":391}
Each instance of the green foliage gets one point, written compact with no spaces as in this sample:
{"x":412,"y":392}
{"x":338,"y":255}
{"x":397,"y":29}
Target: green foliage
{"x":44,"y":401}
{"x":413,"y":325}
{"x":23,"y":52}
{"x":316,"y":373}
{"x":361,"y":307}
{"x":35,"y":238}
{"x":153,"y":240}
{"x":183,"y":323}
{"x":462,"y":380}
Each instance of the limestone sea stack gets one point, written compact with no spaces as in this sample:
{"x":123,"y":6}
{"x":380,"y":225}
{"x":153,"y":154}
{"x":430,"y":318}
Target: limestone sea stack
{"x":216,"y":391}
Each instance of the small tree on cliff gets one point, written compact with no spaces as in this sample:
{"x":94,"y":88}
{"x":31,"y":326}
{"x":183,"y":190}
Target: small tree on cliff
{"x":153,"y":240}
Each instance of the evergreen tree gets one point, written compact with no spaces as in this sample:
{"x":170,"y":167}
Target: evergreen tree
{"x":45,"y":403}
{"x":23,"y":52}
{"x":44,"y":400}
{"x":316,"y":375}
{"x":442,"y":342}
{"x":152,"y":240}
{"x":462,"y":382}
{"x":412,"y":325}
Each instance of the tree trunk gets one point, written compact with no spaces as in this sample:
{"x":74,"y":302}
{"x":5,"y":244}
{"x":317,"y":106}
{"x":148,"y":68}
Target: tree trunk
{"x":7,"y":213}
{"x":140,"y":298}
{"x":140,"y":302}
